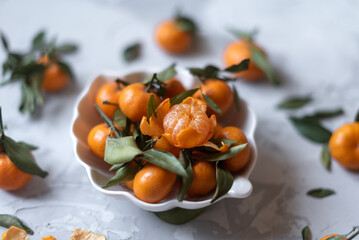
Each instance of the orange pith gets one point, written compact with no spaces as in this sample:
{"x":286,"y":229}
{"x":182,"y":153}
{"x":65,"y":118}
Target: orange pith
{"x":184,"y":125}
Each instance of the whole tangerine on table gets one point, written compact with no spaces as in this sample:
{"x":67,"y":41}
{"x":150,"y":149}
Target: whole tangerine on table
{"x":175,"y":36}
{"x":109,"y":92}
{"x":11,"y":177}
{"x":152,"y":183}
{"x":219,"y":92}
{"x":54,"y":78}
{"x":133,"y":101}
{"x":237,"y":51}
{"x":344,"y":145}
{"x":239,"y":161}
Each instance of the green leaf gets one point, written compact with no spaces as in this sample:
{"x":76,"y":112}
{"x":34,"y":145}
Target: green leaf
{"x":117,"y":166}
{"x":107,"y":120}
{"x":320,"y":192}
{"x":243,"y":34}
{"x":66,"y":48}
{"x":185,"y":180}
{"x":7,"y":221}
{"x":211,"y":71}
{"x":151,"y":106}
{"x":31,"y":68}
{"x":119,"y":118}
{"x":5,"y":43}
{"x":311,"y":129}
{"x":357,"y":117}
{"x":242,"y":66}
{"x":38,"y":41}
{"x":186,"y":24}
{"x":260,"y":60}
{"x":224,"y":181}
{"x":306,"y":233}
{"x":168,"y":73}
{"x":237,"y":100}
{"x":124,"y":174}
{"x":28,"y":146}
{"x":179,"y":215}
{"x":295,"y":102}
{"x":22,"y":158}
{"x":221,"y":141}
{"x":212,"y":104}
{"x":325,"y":157}
{"x":121,"y":150}
{"x":27,"y":99}
{"x":164,"y":160}
{"x":66,"y":68}
{"x":231,"y":152}
{"x":132,"y":52}
{"x":180,"y":97}
{"x":326,"y":114}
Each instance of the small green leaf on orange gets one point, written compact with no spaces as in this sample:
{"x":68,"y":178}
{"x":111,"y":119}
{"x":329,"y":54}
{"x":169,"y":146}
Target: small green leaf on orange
{"x":224,"y":181}
{"x":261,"y":61}
{"x":242,"y":66}
{"x":182,"y":96}
{"x":237,"y":100}
{"x":212,"y":104}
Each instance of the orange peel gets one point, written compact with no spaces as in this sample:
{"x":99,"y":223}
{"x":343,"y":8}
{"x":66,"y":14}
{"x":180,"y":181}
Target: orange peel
{"x":184,"y":125}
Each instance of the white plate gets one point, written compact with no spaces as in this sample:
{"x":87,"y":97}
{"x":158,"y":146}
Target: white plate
{"x":86,"y":116}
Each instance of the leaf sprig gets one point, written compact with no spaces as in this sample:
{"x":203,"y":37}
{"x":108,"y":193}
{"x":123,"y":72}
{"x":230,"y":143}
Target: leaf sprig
{"x":185,"y":23}
{"x":211,"y":71}
{"x":156,"y":81}
{"x":27,"y":68}
{"x":19,"y":153}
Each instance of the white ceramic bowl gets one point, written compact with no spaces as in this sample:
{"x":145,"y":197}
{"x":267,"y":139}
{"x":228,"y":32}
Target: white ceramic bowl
{"x":86,"y":116}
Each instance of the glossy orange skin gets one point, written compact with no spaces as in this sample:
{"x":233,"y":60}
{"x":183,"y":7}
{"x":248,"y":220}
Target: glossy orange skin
{"x":344,"y":145}
{"x":172,"y":39}
{"x":109,"y":92}
{"x":239,"y":161}
{"x":152,"y":183}
{"x":217,"y":130}
{"x":219,"y":92}
{"x":204,"y":179}
{"x":236,"y":52}
{"x":331,"y":235}
{"x":133,"y":101}
{"x":96,"y":139}
{"x":129,"y":184}
{"x":11,"y":177}
{"x":54,"y":78}
{"x":173,"y":88}
{"x":163,"y":145}
{"x":48,"y":238}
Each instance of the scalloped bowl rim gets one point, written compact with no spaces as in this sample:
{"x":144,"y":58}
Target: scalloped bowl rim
{"x":244,"y":190}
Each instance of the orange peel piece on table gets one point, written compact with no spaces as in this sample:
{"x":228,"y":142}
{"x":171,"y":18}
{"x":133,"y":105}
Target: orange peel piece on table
{"x":14,"y":233}
{"x":80,"y":234}
{"x":48,"y":238}
{"x":184,"y":125}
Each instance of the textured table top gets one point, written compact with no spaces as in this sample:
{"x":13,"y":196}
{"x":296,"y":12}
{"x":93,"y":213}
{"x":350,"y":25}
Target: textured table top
{"x":314,"y":45}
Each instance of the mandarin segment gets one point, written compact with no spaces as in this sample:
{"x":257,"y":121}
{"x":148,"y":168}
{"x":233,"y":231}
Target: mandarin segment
{"x":152,"y":183}
{"x":14,"y":233}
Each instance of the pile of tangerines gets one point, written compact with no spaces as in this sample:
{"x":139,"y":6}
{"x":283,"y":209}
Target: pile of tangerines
{"x":157,"y":133}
